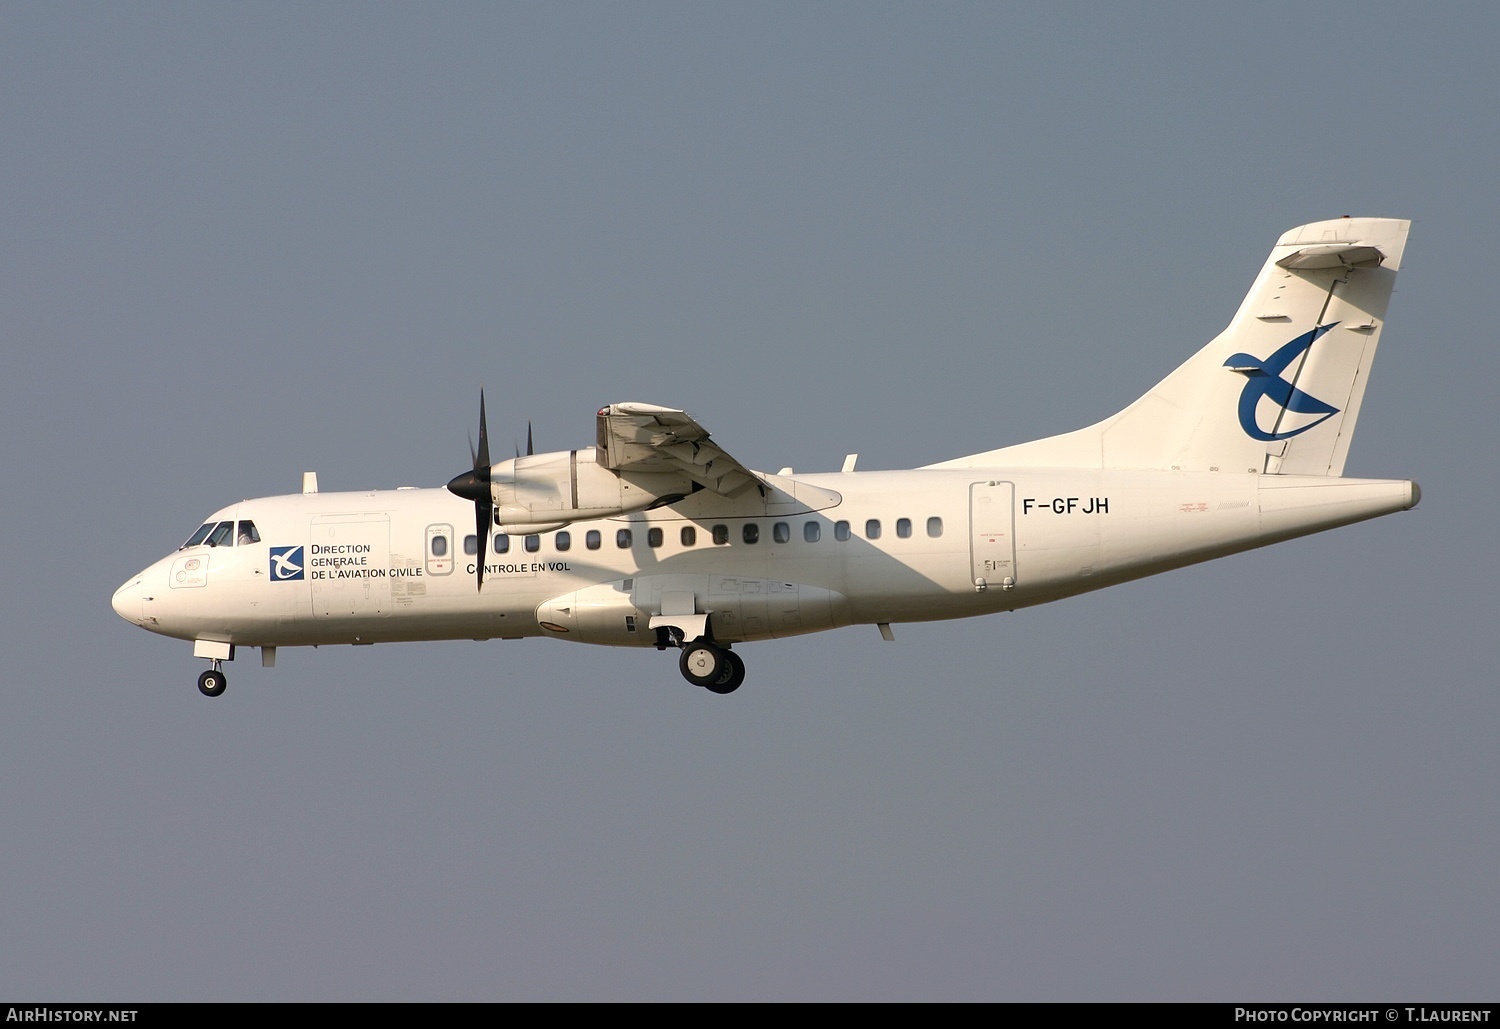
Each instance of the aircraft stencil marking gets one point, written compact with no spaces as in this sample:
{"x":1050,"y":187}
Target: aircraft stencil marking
{"x":657,"y":537}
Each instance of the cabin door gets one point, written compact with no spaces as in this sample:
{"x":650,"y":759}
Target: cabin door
{"x":992,"y":535}
{"x":349,"y":565}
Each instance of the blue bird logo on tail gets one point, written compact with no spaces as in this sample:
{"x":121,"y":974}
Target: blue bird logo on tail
{"x":1264,"y":380}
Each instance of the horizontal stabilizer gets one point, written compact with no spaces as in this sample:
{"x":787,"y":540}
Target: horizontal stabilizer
{"x":1332,"y":255}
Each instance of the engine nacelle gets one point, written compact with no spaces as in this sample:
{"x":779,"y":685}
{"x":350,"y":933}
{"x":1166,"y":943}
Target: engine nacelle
{"x":551,"y":490}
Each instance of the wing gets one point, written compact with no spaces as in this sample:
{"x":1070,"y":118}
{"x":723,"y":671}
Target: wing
{"x":647,"y":438}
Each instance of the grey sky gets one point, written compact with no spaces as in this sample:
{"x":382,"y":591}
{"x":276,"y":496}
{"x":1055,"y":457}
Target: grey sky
{"x":241,"y":241}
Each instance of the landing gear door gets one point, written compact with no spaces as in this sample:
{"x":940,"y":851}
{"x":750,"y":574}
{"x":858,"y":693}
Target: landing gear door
{"x":992,"y":535}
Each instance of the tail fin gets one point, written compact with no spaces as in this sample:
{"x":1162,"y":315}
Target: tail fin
{"x":1279,"y":390}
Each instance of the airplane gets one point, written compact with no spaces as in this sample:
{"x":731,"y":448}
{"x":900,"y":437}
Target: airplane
{"x":655,"y":536}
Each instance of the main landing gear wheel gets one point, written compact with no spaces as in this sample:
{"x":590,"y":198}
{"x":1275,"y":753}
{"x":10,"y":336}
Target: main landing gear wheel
{"x":712,"y":667}
{"x":703,"y":663}
{"x":734,"y":674}
{"x":212,"y":683}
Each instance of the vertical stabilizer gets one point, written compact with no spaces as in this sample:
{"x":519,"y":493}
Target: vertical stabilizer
{"x":1278,"y":391}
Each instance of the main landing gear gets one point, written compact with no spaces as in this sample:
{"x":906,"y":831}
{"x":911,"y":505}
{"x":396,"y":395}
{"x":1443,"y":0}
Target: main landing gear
{"x":212,"y":683}
{"x":715,"y":668}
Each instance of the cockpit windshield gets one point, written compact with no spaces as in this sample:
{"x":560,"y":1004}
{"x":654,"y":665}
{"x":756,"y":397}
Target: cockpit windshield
{"x":199,"y":536}
{"x":222,"y":534}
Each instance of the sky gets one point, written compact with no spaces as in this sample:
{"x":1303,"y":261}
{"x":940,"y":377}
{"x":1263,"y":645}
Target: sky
{"x":238,"y":242}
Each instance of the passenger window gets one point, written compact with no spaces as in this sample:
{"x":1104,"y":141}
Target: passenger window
{"x":248,"y":535}
{"x":591,"y":539}
{"x":750,"y":533}
{"x":653,"y":537}
{"x":934,"y":527}
{"x":721,"y":535}
{"x":533,"y":543}
{"x":689,"y":536}
{"x":471,"y":545}
{"x":872,"y":529}
{"x":841,"y":531}
{"x":564,"y":539}
{"x":811,"y":531}
{"x":439,"y":551}
{"x":223,"y":535}
{"x":781,"y":532}
{"x":502,"y":543}
{"x":622,"y":539}
{"x":903,"y":528}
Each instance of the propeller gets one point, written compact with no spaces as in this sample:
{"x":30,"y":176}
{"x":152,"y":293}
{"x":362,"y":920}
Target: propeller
{"x":475,"y":485}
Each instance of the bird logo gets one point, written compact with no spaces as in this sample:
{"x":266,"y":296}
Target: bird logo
{"x":286,"y":564}
{"x":1264,"y":379}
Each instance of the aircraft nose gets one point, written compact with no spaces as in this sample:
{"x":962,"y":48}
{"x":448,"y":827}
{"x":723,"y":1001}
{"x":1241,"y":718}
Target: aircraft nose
{"x":127,"y":601}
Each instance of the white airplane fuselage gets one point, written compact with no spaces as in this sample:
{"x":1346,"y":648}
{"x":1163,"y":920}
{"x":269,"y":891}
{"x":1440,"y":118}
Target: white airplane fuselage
{"x":656,"y":536}
{"x":974,"y":542}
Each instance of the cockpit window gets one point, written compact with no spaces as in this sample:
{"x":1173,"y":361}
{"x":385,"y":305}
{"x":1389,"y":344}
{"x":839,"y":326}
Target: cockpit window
{"x":222,"y":536}
{"x":199,"y":536}
{"x":247,"y":533}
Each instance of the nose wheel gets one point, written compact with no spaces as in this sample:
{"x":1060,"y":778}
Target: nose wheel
{"x":212,"y":683}
{"x":717,"y":669}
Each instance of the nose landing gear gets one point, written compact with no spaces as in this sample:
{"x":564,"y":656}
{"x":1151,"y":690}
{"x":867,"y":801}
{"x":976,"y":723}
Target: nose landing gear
{"x":213,"y":682}
{"x":715,"y":668}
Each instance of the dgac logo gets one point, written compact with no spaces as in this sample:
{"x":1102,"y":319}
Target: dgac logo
{"x":1265,"y":381}
{"x":286,"y":564}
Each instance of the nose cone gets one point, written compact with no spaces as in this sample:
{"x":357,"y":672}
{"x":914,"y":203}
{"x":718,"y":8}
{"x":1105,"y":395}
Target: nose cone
{"x":127,"y":601}
{"x":473,"y":486}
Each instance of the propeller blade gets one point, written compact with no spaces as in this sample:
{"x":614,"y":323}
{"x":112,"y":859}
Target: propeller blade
{"x":483,"y":513}
{"x":529,"y":448}
{"x":474,"y":486}
{"x":484,"y":441}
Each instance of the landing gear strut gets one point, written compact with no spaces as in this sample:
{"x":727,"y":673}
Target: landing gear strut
{"x":715,"y":668}
{"x":212,"y":683}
